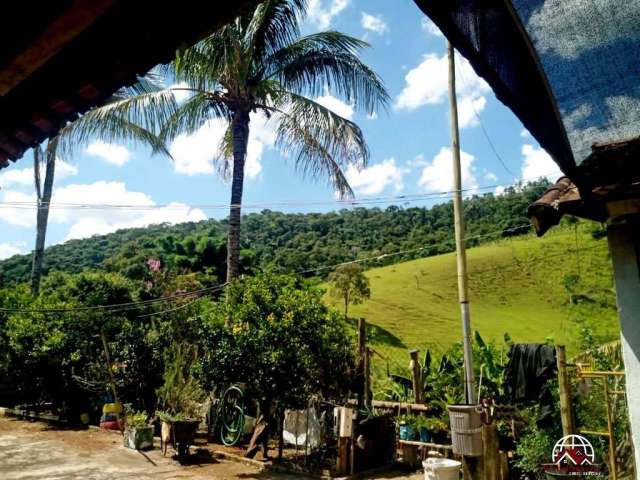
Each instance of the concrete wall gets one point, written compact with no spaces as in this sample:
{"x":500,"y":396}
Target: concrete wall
{"x":624,"y":243}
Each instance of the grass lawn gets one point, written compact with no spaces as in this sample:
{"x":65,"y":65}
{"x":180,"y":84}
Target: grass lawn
{"x":516,"y":286}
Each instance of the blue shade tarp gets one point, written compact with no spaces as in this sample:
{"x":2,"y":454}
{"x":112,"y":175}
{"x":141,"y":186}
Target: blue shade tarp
{"x":569,"y":69}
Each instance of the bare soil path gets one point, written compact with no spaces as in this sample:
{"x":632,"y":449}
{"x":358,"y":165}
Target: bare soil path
{"x":38,"y":451}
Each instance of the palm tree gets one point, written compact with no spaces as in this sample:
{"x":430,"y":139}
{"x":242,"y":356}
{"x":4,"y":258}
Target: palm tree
{"x":260,"y":64}
{"x":143,"y":103}
{"x":43,"y":199}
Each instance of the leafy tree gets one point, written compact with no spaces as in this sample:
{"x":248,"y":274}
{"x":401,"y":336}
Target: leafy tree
{"x":259,"y":63}
{"x":290,"y":242}
{"x":284,"y":344}
{"x":349,"y":284}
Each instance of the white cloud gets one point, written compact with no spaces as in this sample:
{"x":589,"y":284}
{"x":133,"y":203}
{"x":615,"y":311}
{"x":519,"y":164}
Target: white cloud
{"x":20,"y":216}
{"x":23,"y":177}
{"x":336,"y":105}
{"x":372,"y":116}
{"x":111,"y":153}
{"x":374,"y":23}
{"x":499,"y":190}
{"x":87,"y":222}
{"x":538,"y":163}
{"x":430,"y":27}
{"x":417,"y":161}
{"x":322,"y":12}
{"x":194,"y":154}
{"x":374,"y":179}
{"x":524,"y":133}
{"x":469,"y":109}
{"x":490,"y":176}
{"x":9,"y":249}
{"x":427,"y":84}
{"x":437,"y":176}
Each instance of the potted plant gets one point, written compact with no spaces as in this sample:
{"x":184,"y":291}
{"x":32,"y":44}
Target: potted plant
{"x":180,"y":400}
{"x":422,"y":424}
{"x":406,"y":427}
{"x":138,"y":433}
{"x":437,"y":429}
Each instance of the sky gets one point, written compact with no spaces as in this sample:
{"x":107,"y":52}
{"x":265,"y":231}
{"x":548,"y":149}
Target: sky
{"x":409,"y":144}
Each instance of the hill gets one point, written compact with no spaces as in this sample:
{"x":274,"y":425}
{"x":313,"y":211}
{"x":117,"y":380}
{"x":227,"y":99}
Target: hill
{"x":287,"y":241}
{"x":532,"y":288}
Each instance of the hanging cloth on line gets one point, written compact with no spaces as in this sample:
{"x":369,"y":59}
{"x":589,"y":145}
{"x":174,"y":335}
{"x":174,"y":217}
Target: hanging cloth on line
{"x":531,"y":366}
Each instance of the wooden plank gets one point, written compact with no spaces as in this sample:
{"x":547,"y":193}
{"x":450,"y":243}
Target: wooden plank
{"x":58,"y":34}
{"x":416,"y":443}
{"x":417,"y":407}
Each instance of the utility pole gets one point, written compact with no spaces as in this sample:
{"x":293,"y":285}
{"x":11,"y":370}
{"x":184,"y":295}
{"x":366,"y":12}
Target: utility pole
{"x":461,"y":254}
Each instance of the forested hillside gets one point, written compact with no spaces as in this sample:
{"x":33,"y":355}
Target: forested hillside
{"x":288,"y":242}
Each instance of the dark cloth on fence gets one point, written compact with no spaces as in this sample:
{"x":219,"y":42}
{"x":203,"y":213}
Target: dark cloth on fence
{"x":531,"y":366}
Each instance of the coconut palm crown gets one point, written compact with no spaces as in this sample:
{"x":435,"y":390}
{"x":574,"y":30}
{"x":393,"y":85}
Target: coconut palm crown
{"x":260,"y":64}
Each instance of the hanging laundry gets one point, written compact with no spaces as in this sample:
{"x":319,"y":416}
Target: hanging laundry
{"x":531,"y":366}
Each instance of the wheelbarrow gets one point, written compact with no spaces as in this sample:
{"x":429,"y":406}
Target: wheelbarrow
{"x":180,"y":434}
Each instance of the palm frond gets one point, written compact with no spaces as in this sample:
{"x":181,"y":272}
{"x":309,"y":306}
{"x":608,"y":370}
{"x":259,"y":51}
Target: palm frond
{"x":193,"y":114}
{"x":612,"y":351}
{"x":328,"y":59}
{"x":273,"y":25}
{"x":113,"y":123}
{"x":321,"y":141}
{"x":217,"y":60}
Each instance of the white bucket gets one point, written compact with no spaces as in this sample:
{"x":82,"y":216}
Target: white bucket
{"x":441,"y":469}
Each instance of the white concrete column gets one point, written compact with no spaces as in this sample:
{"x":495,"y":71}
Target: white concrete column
{"x":624,"y":243}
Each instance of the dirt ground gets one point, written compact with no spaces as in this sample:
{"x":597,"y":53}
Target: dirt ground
{"x":38,"y":451}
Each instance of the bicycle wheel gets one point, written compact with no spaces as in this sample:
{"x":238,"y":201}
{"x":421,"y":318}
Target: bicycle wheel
{"x":232,"y":407}
{"x":232,"y":426}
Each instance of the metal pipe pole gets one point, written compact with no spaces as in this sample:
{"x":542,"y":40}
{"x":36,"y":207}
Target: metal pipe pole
{"x":461,"y":254}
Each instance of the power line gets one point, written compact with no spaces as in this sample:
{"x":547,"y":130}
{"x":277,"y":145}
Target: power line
{"x":486,"y":133}
{"x":117,"y":306}
{"x":128,"y":305}
{"x":215,"y":288}
{"x":519,"y":228}
{"x":414,"y":197}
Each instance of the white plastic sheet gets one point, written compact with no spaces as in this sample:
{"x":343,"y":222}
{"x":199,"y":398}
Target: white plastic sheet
{"x":302,"y":427}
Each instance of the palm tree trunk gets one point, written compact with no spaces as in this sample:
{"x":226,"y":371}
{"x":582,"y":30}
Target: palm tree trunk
{"x":42,"y":219}
{"x":240,"y":130}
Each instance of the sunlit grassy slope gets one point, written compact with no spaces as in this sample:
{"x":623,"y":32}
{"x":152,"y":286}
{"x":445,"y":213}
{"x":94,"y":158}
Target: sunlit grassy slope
{"x":516,"y":286}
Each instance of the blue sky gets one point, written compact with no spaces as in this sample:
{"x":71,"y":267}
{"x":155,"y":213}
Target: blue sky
{"x":409,"y":145}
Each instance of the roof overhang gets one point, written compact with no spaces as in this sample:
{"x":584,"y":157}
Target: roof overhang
{"x":57,"y":59}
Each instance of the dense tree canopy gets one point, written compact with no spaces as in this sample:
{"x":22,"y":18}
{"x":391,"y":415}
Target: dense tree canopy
{"x":287,"y":242}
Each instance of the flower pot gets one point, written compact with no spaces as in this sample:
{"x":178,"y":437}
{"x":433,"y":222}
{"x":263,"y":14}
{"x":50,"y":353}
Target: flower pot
{"x":424,"y":435}
{"x":406,"y":432}
{"x":139,"y":438}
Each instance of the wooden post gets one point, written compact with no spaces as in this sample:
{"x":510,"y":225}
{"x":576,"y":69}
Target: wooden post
{"x":362,"y":344}
{"x":613,"y":467}
{"x":367,"y":378}
{"x":416,"y":376}
{"x":566,"y":409}
{"x":112,"y":379}
{"x":491,"y":452}
{"x":461,"y":253}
